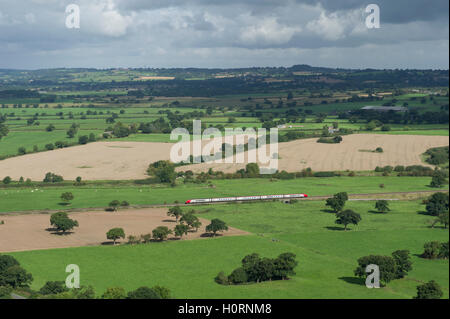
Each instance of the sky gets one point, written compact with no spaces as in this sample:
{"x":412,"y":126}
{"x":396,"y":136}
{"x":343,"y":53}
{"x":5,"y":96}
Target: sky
{"x":224,"y":34}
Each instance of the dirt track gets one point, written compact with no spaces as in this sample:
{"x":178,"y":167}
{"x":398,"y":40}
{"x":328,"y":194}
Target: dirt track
{"x":29,"y":232}
{"x":129,"y":160}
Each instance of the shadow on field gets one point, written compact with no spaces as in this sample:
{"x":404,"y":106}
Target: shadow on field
{"x":336,"y":228}
{"x":354,"y":280}
{"x":54,"y":231}
{"x":329,"y":211}
{"x":64,"y":204}
{"x":62,"y":234}
{"x":376,"y":212}
{"x":169,"y":221}
{"x":210,"y":235}
{"x":109,"y":243}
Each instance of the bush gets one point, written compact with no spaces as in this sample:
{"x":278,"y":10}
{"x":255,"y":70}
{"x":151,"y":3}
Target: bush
{"x":52,"y":178}
{"x":53,"y":288}
{"x":257,"y":269}
{"x":83,"y":139}
{"x":5,"y":291}
{"x":21,"y":151}
{"x":430,"y":290}
{"x":7,"y":180}
{"x":161,"y":233}
{"x":221,"y":278}
{"x":238,"y":276}
{"x":438,"y":155}
{"x":143,"y":293}
{"x":435,"y":250}
{"x":324,"y":174}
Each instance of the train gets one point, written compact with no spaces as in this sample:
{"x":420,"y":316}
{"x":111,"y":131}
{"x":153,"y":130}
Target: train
{"x":244,"y":198}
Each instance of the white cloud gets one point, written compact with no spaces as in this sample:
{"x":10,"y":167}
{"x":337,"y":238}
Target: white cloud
{"x":330,"y":27}
{"x":269,"y":31}
{"x":102,"y":17}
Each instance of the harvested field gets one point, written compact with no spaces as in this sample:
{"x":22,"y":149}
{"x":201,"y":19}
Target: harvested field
{"x":297,"y":155}
{"x":30,"y":232}
{"x":95,"y":161}
{"x":130,"y":160}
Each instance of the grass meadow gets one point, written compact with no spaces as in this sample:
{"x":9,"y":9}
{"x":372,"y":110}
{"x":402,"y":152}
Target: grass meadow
{"x":327,"y":255}
{"x":93,"y":195}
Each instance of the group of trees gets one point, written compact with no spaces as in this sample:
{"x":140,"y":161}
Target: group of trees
{"x":115,"y":204}
{"x":343,"y":217}
{"x":53,"y":178}
{"x":190,"y":222}
{"x":435,"y":250}
{"x":12,"y":275}
{"x":438,"y":155}
{"x":437,"y":205}
{"x":185,"y":223}
{"x":330,"y":140}
{"x":439,"y":178}
{"x":391,"y":267}
{"x":163,"y":171}
{"x":413,"y":170}
{"x":257,"y":269}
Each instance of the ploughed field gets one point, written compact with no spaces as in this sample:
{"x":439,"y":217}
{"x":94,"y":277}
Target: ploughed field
{"x":33,"y":232}
{"x":129,"y":160}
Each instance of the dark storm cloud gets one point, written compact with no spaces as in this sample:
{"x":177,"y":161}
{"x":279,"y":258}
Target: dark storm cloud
{"x":213,"y":33}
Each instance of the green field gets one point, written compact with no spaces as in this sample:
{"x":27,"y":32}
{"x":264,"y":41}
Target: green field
{"x":326,"y":255}
{"x":92,"y":195}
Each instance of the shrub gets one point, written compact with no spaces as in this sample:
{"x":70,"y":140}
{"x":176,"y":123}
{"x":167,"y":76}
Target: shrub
{"x":324,"y":174}
{"x":238,"y":276}
{"x":52,"y":178}
{"x":221,"y":279}
{"x":53,"y":288}
{"x":161,"y":233}
{"x":83,"y":139}
{"x":431,"y":250}
{"x":7,"y":180}
{"x":143,"y":293}
{"x":430,"y":290}
{"x":5,"y":291}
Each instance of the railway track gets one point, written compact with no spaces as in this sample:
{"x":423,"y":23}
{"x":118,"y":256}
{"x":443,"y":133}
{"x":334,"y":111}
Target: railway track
{"x":373,"y":196}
